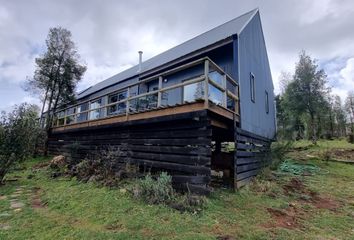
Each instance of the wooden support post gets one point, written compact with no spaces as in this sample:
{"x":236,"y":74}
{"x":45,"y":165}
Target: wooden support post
{"x":224,"y":84}
{"x":159,"y":94}
{"x":206,"y":84}
{"x":235,"y":153}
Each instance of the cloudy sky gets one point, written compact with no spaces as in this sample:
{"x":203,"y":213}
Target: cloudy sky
{"x":108,"y":35}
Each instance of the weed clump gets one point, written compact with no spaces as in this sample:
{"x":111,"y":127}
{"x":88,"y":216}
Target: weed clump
{"x":159,"y":190}
{"x":155,"y":191}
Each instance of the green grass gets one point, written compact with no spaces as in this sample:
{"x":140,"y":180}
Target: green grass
{"x":77,"y":210}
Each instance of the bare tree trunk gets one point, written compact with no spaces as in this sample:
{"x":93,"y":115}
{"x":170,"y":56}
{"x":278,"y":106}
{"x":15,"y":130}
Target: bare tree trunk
{"x":313,"y":129}
{"x":41,"y":122}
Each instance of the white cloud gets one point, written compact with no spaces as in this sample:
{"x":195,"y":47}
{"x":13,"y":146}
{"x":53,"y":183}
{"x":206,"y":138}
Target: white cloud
{"x":109,"y":34}
{"x":347,"y":75}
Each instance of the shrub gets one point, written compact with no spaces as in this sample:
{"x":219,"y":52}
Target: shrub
{"x":108,"y":166}
{"x":155,"y":191}
{"x":19,"y":134}
{"x":160,"y":191}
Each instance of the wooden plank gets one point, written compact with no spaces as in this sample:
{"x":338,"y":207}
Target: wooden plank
{"x":241,"y":161}
{"x":248,"y":167}
{"x":185,"y":114}
{"x":191,"y":179}
{"x":141,"y":141}
{"x":241,"y":138}
{"x":252,"y":135}
{"x":172,"y":166}
{"x":181,"y":159}
{"x":243,"y":182}
{"x":139,"y":116}
{"x":244,"y":175}
{"x":187,"y":150}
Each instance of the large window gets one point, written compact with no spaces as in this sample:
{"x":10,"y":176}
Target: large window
{"x":252,"y":88}
{"x":118,"y":108}
{"x":266,"y":102}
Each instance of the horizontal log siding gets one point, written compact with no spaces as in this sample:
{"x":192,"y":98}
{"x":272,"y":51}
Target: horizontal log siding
{"x":252,"y":153}
{"x":178,"y":144}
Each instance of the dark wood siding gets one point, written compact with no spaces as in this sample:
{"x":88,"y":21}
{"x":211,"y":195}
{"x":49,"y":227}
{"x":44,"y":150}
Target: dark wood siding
{"x":179,"y":144}
{"x":252,"y":153}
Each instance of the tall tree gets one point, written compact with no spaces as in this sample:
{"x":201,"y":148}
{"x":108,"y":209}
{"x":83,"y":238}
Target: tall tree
{"x":57,"y":73}
{"x":340,"y":117}
{"x":305,"y":94}
{"x":349,"y":107}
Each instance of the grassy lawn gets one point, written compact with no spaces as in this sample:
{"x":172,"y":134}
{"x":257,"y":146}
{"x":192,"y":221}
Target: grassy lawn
{"x":277,"y":205}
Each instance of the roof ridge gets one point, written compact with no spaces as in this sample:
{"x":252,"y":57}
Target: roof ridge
{"x":225,"y":23}
{"x":130,"y":72}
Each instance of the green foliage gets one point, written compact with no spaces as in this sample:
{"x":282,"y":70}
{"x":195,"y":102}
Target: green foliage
{"x":57,"y":73}
{"x":306,"y":108}
{"x":19,"y":133}
{"x":76,"y":210}
{"x":278,"y":152}
{"x":159,"y":191}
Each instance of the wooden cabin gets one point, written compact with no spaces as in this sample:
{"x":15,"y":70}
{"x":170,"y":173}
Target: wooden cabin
{"x":202,"y":108}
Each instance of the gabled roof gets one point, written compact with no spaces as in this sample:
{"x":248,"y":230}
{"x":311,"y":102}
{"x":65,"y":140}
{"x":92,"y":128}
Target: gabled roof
{"x":224,"y":31}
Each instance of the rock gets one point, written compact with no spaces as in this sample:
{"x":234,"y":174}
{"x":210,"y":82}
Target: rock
{"x":18,"y":210}
{"x":4,"y":226}
{"x":3,"y":197}
{"x":17,"y":205}
{"x":123,"y":190}
{"x":58,"y":161}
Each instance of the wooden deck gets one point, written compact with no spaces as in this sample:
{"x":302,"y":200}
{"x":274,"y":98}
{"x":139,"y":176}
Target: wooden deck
{"x":153,"y":113}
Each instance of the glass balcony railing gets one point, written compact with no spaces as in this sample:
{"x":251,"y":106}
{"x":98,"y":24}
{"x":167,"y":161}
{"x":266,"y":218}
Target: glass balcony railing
{"x":181,"y":85}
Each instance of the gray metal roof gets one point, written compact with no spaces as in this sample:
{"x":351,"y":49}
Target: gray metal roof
{"x":235,"y":26}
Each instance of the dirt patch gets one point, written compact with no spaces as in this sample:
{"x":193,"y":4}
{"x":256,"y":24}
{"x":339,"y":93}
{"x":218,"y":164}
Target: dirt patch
{"x":225,"y":237}
{"x":295,"y":185}
{"x":287,"y":218}
{"x":324,"y":202}
{"x":116,"y":227}
{"x":343,"y":154}
{"x":36,"y":201}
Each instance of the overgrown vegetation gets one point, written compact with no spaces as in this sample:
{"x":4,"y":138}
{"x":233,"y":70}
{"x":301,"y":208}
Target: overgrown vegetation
{"x":20,"y":135}
{"x":160,"y":191}
{"x":278,"y":205}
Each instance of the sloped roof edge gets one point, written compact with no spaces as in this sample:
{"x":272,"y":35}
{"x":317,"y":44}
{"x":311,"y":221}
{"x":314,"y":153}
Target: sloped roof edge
{"x":221,"y":32}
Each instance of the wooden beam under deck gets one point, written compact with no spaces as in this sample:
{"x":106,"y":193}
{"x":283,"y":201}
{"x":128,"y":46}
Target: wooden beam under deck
{"x":166,"y":111}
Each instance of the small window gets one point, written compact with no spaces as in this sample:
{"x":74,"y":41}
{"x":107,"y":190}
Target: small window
{"x":252,"y":88}
{"x":266,"y":102}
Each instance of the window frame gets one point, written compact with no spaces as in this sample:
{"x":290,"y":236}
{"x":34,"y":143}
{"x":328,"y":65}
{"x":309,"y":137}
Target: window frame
{"x":266,"y":102}
{"x":252,"y":87}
